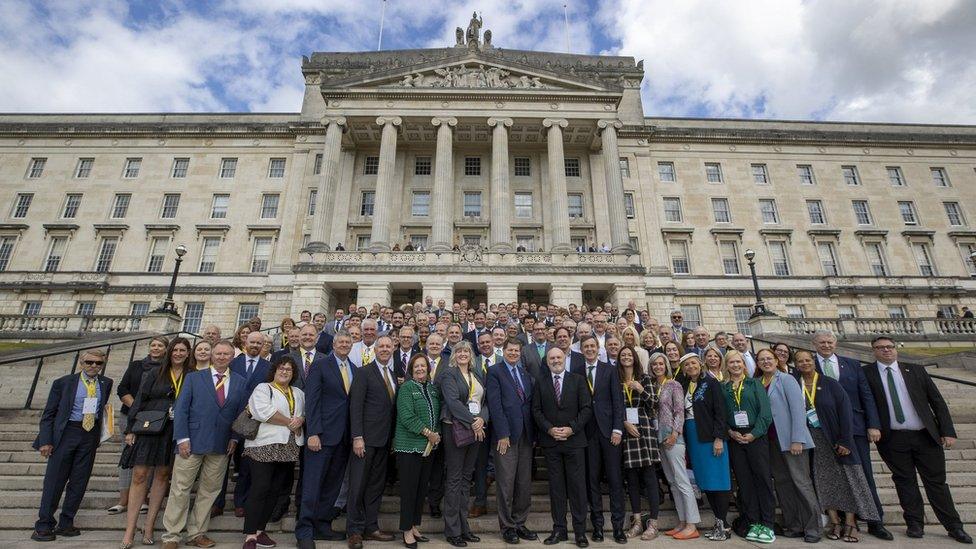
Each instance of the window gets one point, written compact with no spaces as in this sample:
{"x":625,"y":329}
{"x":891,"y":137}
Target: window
{"x":713,"y":172}
{"x":665,"y":171}
{"x":366,"y":203}
{"x":208,"y":254}
{"x":767,"y":207}
{"x":624,"y":167}
{"x":742,"y":313}
{"x":132,"y":167}
{"x":472,"y":165}
{"x":472,"y":204}
{"x":760,"y":175}
{"x":523,"y":205}
{"x":228,"y":168}
{"x":420,"y":204}
{"x":691,"y":315}
{"x":729,"y":251}
{"x":796,"y":311}
{"x":828,"y":258}
{"x":120,"y":205}
{"x":71,"y":204}
{"x":633,"y":243}
{"x":246,"y":311}
{"x":572,"y":166}
{"x":171,"y":204}
{"x":276,"y":168}
{"x":629,"y":205}
{"x":816,"y":211}
{"x":805,"y":173}
{"x":578,"y":242}
{"x":672,"y":209}
{"x":780,"y":258}
{"x":720,"y":209}
{"x":312,"y":196}
{"x":895,"y":176}
{"x":954,"y":214}
{"x":876,"y":258}
{"x":6,"y":250}
{"x":472,"y":239}
{"x":421,"y":165}
{"x":923,"y":258}
{"x":157,"y":254}
{"x":261,"y":254}
{"x":862,"y":214}
{"x":36,"y":167}
{"x":106,"y":253}
{"x":362,"y":242}
{"x":850,"y":175}
{"x":680,"y":264}
{"x":32,"y":308}
{"x":218,"y":209}
{"x":419,"y":242}
{"x":847,"y":311}
{"x":371,"y":165}
{"x":269,"y":206}
{"x":966,"y":249}
{"x":939,"y":177}
{"x":575,"y":206}
{"x":948,"y":311}
{"x":192,"y":317}
{"x":526,"y":241}
{"x":523,"y":166}
{"x":55,"y":253}
{"x":908,"y":214}
{"x":138,"y":309}
{"x":84,"y":167}
{"x":85,"y":308}
{"x":22,"y":205}
{"x":180,"y":167}
{"x":317,"y":165}
{"x":897,"y":311}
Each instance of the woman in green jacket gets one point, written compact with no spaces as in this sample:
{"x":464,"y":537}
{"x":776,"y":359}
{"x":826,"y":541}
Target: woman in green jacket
{"x":417,"y":433}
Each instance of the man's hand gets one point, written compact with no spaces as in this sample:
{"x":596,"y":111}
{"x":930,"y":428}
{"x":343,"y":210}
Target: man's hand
{"x":615,"y":439}
{"x":359,"y":446}
{"x":556,"y":433}
{"x":185,"y":449}
{"x":231,"y":446}
{"x":46,"y":450}
{"x":631,"y":430}
{"x":314,"y":443}
{"x":503,"y":445}
{"x":796,"y":448}
{"x":947,"y":442}
{"x":874,"y":435}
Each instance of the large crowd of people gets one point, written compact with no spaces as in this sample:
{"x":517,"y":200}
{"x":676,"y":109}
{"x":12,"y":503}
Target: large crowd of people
{"x":327,"y":413}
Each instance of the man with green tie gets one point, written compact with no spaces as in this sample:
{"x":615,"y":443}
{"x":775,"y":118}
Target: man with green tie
{"x":534,"y":353}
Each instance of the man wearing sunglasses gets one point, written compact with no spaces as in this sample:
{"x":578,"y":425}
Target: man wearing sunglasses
{"x":70,"y":432}
{"x":677,"y":325}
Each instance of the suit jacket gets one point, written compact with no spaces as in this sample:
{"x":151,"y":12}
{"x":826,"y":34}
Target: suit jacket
{"x":259,"y":375}
{"x":324,"y":343}
{"x":863,"y":407}
{"x":330,"y":327}
{"x":511,"y":416}
{"x":608,"y":402}
{"x":788,"y":407}
{"x":573,"y":409}
{"x":399,"y":366}
{"x":60,"y":401}
{"x":926,"y":398}
{"x":371,"y":411}
{"x":197,"y":416}
{"x":280,"y":353}
{"x":326,"y":401}
{"x":535,"y":364}
{"x":454,"y":392}
{"x":577,"y":364}
{"x":472,"y":337}
{"x":834,"y":413}
{"x":318,"y":359}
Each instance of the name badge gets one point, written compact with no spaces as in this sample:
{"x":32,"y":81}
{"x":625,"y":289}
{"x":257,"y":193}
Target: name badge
{"x":90,"y":406}
{"x":632,"y":417}
{"x":171,"y":412}
{"x":741,"y":418}
{"x":812,"y":418}
{"x":474,"y":407}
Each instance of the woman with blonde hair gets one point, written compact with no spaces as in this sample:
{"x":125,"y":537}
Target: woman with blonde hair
{"x":650,"y":342}
{"x":630,"y":338}
{"x":715,"y":364}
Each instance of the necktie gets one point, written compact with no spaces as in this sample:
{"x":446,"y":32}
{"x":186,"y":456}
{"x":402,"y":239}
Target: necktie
{"x":559,"y":389}
{"x":389,"y":382}
{"x":345,"y":376}
{"x":337,"y":326}
{"x":541,"y":349}
{"x":308,"y":361}
{"x":367,"y":356}
{"x":404,"y":358}
{"x":590,"y":378}
{"x":250,"y":367}
{"x":88,"y":420}
{"x":518,"y":384}
{"x":221,"y":396}
{"x":895,"y":399}
{"x":433,"y":367}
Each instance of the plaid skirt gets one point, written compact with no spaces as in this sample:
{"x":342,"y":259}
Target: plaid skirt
{"x":642,"y":451}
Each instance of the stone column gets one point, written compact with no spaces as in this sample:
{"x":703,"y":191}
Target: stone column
{"x":619,"y":236}
{"x":502,"y":292}
{"x":501,"y":195}
{"x":557,"y":183}
{"x":439,"y":290}
{"x":328,"y":181}
{"x":442,"y":203}
{"x":368,"y":293}
{"x":386,"y":191}
{"x":563,"y":295}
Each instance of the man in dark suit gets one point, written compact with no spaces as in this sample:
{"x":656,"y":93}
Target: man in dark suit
{"x":403,"y":352}
{"x":209,"y":402}
{"x":604,"y":433}
{"x":561,"y":408}
{"x":293,"y":334}
{"x":333,"y":326}
{"x":68,"y":437}
{"x":677,"y":325}
{"x":534,"y":353}
{"x":479,"y":328}
{"x":866,"y":424}
{"x":327,"y":450}
{"x":372,"y":401}
{"x":509,"y":394}
{"x":575,"y":363}
{"x":916,"y":429}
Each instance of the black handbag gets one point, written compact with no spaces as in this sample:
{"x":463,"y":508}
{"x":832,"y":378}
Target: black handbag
{"x":150,"y":422}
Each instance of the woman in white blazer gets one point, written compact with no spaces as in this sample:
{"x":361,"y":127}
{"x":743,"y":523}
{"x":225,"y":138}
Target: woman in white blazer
{"x":274,"y":450}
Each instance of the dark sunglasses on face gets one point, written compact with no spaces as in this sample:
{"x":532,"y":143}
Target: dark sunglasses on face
{"x":93,"y":362}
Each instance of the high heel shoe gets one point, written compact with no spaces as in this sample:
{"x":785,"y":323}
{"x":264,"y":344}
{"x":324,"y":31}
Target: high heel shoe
{"x":124,"y":545}
{"x":411,"y":545}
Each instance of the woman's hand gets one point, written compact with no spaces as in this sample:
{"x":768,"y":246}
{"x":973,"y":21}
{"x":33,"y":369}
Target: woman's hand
{"x":296,"y":423}
{"x":434,"y":437}
{"x":130,"y":438}
{"x":635,"y":386}
{"x":631,"y":430}
{"x":796,"y":448}
{"x":717,"y":447}
{"x":478,"y":424}
{"x":842,"y":450}
{"x":670,"y":441}
{"x":747,"y":438}
{"x":479,"y":435}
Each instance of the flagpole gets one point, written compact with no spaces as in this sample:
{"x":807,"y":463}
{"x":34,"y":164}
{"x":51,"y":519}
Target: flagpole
{"x":379,"y":43}
{"x":566,"y":22}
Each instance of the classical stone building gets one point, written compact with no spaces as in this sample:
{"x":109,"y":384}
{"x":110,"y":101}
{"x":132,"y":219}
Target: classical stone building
{"x":474,"y":153}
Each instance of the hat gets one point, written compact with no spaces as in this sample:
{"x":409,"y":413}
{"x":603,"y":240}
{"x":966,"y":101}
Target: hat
{"x":681,"y":361}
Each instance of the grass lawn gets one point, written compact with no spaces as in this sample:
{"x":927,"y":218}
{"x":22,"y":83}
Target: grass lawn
{"x":933,"y":351}
{"x":8,"y":346}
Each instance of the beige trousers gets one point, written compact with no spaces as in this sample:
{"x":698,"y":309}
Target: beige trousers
{"x":211,"y":469}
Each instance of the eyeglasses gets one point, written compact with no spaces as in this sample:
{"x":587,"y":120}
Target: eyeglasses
{"x":884,"y":347}
{"x":93,"y":362}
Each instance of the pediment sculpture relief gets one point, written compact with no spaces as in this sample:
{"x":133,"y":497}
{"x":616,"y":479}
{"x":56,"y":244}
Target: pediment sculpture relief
{"x":462,"y":76}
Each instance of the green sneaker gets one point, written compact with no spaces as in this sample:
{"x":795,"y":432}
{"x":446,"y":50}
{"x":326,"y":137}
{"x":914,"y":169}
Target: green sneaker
{"x":765,"y":535}
{"x":753,"y":534}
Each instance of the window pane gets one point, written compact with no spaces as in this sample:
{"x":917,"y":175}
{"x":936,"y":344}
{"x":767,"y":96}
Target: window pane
{"x":362,"y":242}
{"x":219,"y":208}
{"x":523,"y":166}
{"x":828,"y":258}
{"x":954,"y":213}
{"x":157,"y":254}
{"x":815,"y":209}
{"x":421,"y":165}
{"x":805,"y":173}
{"x":665,"y":171}
{"x":967,"y":249}
{"x":940,"y":177}
{"x":572,"y":167}
{"x":246,"y":312}
{"x":472,"y":204}
{"x":861,"y":212}
{"x":680,"y":265}
{"x":421,"y":204}
{"x":180,"y":167}
{"x":907,"y":210}
{"x":419,"y":242}
{"x":847,"y":311}
{"x":228,"y":167}
{"x":371,"y":166}
{"x":713,"y":173}
{"x":691,"y":315}
{"x":629,"y":205}
{"x":36,"y":167}
{"x":276,"y":168}
{"x":472,"y":165}
{"x":269,"y":206}
{"x":796,"y":311}
{"x":850,"y":175}
{"x":523,"y":205}
{"x":120,"y":206}
{"x":781,"y":261}
{"x":720,"y":208}
{"x":366,"y":205}
{"x":84,"y":167}
{"x":22,"y":205}
{"x":106,"y":253}
{"x":876,"y":259}
{"x":32,"y":308}
{"x":672,"y":209}
{"x":132,"y":166}
{"x":6,"y":250}
{"x":768,"y":209}
{"x":730,"y":257}
{"x":759,"y":174}
{"x":924,"y":259}
{"x":576,"y":206}
{"x":85,"y":308}
{"x":171,"y":204}
{"x":624,"y":167}
{"x":742,"y":314}
{"x":192,"y":317}
{"x":895,"y":176}
{"x":55,"y":253}
{"x":317,"y":166}
{"x":71,"y":204}
{"x":208,"y":254}
{"x":261,"y":256}
{"x":312,"y":196}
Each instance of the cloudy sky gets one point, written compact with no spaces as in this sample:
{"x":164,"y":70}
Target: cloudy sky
{"x":864,"y":60}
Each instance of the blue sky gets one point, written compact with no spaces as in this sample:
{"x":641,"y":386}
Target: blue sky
{"x":867,"y":60}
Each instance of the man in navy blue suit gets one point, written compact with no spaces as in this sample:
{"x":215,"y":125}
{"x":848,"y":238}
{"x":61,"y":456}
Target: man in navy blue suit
{"x":70,"y":431}
{"x":509,"y":394}
{"x":575,"y":364}
{"x":208,"y":404}
{"x":867,"y":423}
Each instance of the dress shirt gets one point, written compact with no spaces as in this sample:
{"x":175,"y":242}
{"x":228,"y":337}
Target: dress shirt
{"x":81,"y":394}
{"x":750,"y":363}
{"x":513,"y":370}
{"x":389,"y":378}
{"x":834,"y":366}
{"x":912,"y":421}
{"x":250,"y":363}
{"x":405,"y":357}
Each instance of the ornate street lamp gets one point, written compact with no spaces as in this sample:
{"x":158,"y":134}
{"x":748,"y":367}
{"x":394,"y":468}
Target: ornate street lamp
{"x":168,"y":305}
{"x":759,"y":309}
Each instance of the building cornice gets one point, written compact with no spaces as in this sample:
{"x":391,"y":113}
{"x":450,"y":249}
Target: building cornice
{"x":798,"y":136}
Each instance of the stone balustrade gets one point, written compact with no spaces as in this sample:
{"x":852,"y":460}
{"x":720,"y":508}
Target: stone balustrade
{"x":54,"y":326}
{"x":864,"y":329}
{"x":469,"y":257}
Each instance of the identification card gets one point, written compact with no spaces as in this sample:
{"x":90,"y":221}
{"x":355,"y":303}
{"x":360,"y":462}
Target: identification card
{"x":171,"y":412}
{"x":632,"y":417}
{"x":741,"y":418}
{"x":474,"y":407}
{"x":812,"y":418}
{"x":90,"y":406}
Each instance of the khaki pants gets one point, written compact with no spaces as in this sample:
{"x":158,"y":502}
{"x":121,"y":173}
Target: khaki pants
{"x":211,"y":469}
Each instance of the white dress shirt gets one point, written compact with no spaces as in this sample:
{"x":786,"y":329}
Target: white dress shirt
{"x":750,"y":363}
{"x":834,"y":365}
{"x":912,"y":421}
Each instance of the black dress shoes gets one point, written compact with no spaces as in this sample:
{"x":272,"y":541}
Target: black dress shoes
{"x":581,"y":541}
{"x":510,"y":536}
{"x":43,"y":535}
{"x":597,"y":534}
{"x":810,"y":538}
{"x":915,"y":531}
{"x":422,"y":538}
{"x":879,"y":531}
{"x":555,"y":538}
{"x":456,"y":541}
{"x":329,"y":536}
{"x":619,"y":536}
{"x":67,"y":531}
{"x":470,"y":538}
{"x":960,"y":535}
{"x":526,"y":534}
{"x":410,"y":545}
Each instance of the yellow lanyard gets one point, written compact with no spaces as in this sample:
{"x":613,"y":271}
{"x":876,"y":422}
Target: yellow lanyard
{"x":691,"y":388}
{"x":288,"y":396}
{"x":661,"y":387}
{"x":177,"y":383}
{"x":89,"y":386}
{"x":737,"y":393}
{"x":719,"y":376}
{"x":629,"y":393}
{"x":470,"y":387}
{"x":812,"y":393}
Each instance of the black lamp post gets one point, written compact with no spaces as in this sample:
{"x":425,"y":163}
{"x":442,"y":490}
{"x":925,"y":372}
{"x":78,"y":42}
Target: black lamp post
{"x":168,"y":305}
{"x":759,"y":309}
